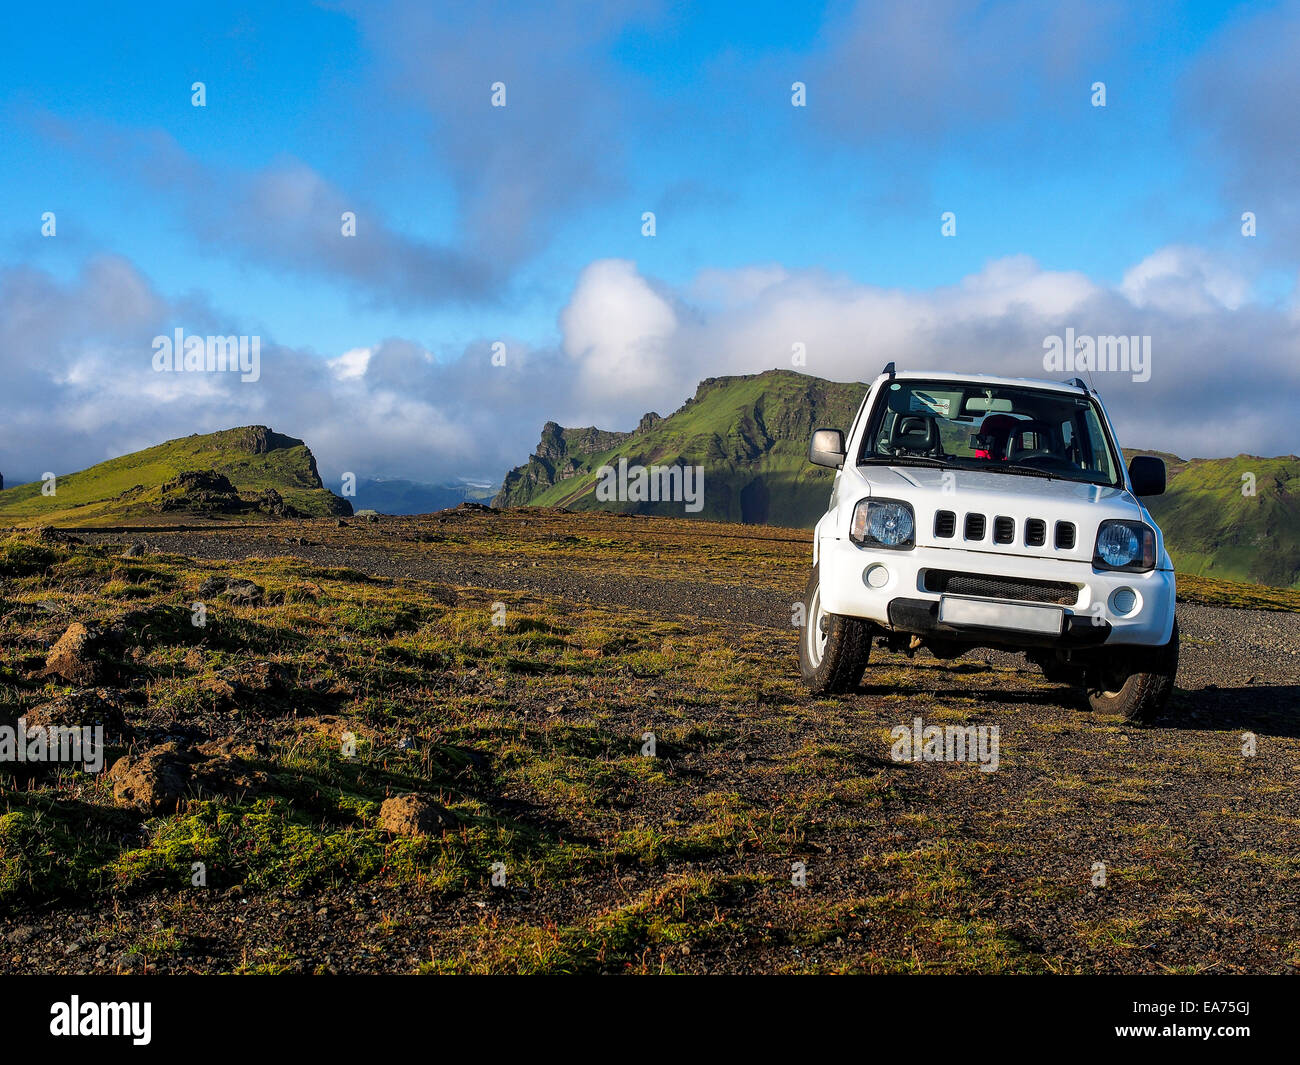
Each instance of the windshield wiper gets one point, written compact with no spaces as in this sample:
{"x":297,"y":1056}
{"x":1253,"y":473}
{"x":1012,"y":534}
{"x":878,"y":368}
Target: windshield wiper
{"x":902,"y":460}
{"x":1032,"y":471}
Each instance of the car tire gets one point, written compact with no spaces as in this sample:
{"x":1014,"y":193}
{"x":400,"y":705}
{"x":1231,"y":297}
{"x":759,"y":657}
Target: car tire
{"x":1134,"y":683}
{"x":833,"y":649}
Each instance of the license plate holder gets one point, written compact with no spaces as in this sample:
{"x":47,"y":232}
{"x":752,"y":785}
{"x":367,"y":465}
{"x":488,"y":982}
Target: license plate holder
{"x":995,"y":614}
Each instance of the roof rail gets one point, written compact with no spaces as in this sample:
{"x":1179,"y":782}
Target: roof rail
{"x":1078,"y":383}
{"x":889,"y":369}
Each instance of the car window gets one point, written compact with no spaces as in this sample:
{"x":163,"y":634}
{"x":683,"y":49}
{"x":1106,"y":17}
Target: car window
{"x":1008,"y":429}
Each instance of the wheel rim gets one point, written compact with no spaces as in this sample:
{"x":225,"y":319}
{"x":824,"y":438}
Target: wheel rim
{"x":815,"y":637}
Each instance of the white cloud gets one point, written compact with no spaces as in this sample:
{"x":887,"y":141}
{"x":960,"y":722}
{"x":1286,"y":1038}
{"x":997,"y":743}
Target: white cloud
{"x":615,"y":331}
{"x":351,"y":364}
{"x":1184,"y":280}
{"x":79,"y":389}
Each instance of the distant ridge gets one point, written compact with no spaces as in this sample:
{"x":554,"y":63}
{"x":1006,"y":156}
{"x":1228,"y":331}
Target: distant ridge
{"x":234,"y":474}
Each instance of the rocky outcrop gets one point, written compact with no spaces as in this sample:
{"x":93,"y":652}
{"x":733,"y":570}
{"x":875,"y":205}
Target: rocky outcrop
{"x":558,"y":457}
{"x":209,"y":492}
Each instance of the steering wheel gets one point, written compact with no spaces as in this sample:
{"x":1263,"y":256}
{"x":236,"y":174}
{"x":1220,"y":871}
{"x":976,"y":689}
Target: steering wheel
{"x":1028,"y":456}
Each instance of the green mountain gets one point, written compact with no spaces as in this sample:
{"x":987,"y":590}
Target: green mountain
{"x":1214,"y":528}
{"x":749,"y":433}
{"x":751,"y":436}
{"x":233,"y":474}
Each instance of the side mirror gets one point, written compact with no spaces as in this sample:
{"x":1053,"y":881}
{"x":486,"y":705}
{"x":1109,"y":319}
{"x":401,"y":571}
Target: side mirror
{"x":1147,"y":474}
{"x":827,"y":448}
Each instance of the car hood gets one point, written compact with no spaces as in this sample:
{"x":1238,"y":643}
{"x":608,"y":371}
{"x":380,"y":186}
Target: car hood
{"x":979,"y":484}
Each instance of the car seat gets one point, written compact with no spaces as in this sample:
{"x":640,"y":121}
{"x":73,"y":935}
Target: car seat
{"x":996,"y":428}
{"x":915,"y":433}
{"x":1043,"y":442}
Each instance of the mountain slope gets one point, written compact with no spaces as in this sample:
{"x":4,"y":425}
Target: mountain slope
{"x":1214,"y":530}
{"x":247,"y":471}
{"x":750,"y":434}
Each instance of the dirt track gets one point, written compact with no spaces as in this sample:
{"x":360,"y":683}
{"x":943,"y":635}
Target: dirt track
{"x":1239,"y":669}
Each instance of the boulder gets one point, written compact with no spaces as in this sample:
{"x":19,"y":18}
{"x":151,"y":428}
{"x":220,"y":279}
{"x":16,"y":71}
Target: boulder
{"x":414,"y":815}
{"x":75,"y":656}
{"x":236,"y":589}
{"x":160,"y":778}
{"x":155,"y":781}
{"x":94,"y":707}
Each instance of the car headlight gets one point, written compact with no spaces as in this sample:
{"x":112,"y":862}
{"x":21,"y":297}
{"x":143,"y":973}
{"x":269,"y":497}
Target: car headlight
{"x":1125,"y":545}
{"x":883,"y":523}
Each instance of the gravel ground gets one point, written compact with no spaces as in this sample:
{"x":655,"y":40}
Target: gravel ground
{"x":1201,"y":842}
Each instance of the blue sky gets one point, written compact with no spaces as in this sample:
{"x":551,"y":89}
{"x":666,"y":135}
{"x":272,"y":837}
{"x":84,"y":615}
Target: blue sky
{"x":482,"y":224}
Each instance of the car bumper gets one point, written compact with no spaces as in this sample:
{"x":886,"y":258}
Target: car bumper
{"x":903,"y":598}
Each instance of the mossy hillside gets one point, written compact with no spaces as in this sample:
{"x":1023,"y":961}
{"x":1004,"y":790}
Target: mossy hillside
{"x":1214,"y":529}
{"x":254,"y":458}
{"x":750,"y":434}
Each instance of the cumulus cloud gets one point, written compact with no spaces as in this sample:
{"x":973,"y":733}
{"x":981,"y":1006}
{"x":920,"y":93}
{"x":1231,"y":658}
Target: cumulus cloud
{"x":76,"y":359}
{"x":616,"y":328}
{"x":1184,"y":280}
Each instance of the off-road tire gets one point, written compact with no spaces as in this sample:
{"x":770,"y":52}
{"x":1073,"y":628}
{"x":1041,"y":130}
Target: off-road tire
{"x":833,"y":666}
{"x":1134,"y":683}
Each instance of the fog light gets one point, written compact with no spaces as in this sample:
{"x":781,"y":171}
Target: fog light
{"x":1123,"y":601}
{"x":876,"y":576}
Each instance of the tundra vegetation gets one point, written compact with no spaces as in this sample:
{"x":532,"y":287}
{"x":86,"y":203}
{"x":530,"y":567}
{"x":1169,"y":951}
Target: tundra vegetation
{"x":494,"y":678}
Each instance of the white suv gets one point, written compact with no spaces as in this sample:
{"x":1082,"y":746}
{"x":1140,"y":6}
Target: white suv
{"x":973,"y":511}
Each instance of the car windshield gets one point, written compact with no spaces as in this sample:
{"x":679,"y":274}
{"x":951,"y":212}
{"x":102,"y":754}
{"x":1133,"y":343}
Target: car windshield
{"x":999,"y":428}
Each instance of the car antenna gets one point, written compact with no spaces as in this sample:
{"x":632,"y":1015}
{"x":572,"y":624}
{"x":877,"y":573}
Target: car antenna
{"x":889,"y":369}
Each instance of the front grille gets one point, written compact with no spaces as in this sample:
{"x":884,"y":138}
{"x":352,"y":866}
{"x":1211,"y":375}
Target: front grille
{"x":1004,"y":529}
{"x":1030,"y":591}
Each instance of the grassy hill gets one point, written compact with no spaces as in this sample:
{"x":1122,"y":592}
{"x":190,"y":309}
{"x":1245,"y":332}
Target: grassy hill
{"x":236,"y":472}
{"x":751,"y":436}
{"x":1214,"y":530}
{"x":749,"y":433}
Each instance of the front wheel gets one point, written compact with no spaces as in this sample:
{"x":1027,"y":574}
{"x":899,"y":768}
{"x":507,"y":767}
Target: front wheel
{"x":1134,"y":683}
{"x":833,"y":649}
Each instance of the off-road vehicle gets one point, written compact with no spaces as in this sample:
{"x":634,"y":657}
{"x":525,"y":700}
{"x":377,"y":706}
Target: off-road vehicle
{"x":974,"y":511}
